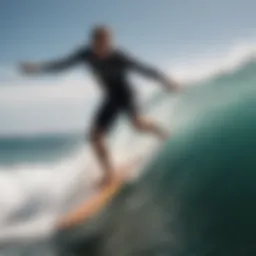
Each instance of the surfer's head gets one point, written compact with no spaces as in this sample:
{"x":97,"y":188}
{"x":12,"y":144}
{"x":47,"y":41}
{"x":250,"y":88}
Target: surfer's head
{"x":101,"y":39}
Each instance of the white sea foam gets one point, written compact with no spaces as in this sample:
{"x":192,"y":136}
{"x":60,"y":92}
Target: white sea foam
{"x":205,"y":66}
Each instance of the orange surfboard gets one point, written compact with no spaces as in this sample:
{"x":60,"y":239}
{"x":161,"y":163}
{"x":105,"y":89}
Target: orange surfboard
{"x":96,"y":203}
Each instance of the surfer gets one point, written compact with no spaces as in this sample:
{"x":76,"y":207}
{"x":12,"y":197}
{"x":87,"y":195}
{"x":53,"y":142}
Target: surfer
{"x":110,"y":66}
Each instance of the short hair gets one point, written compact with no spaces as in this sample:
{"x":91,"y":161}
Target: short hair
{"x":97,"y":31}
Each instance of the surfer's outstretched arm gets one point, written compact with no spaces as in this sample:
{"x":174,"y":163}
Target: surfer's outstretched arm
{"x":52,"y":66}
{"x":148,"y":71}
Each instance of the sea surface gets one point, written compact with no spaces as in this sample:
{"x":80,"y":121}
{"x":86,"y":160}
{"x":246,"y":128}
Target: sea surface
{"x":194,"y":196}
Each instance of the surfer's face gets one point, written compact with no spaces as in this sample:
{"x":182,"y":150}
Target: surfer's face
{"x":102,"y":40}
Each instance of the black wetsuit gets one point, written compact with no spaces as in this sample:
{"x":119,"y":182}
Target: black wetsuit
{"x":111,"y":72}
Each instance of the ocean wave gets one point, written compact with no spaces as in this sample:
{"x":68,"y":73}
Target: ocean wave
{"x":197,"y":195}
{"x":34,"y":196}
{"x":210,"y":65}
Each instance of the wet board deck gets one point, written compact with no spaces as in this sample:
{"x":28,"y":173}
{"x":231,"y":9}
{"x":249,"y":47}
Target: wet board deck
{"x":98,"y":201}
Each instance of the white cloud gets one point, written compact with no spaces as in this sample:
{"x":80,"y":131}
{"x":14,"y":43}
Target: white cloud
{"x":32,"y":91}
{"x":45,"y":105}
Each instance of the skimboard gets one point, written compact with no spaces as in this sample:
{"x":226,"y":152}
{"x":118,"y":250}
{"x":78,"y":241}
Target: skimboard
{"x":96,"y":203}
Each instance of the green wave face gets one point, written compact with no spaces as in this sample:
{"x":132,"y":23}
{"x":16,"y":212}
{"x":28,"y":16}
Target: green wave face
{"x":197,"y":196}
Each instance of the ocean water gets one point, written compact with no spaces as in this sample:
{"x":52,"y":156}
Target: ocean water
{"x":195,"y":196}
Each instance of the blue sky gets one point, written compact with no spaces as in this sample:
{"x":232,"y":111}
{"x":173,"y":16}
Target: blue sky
{"x":158,"y":31}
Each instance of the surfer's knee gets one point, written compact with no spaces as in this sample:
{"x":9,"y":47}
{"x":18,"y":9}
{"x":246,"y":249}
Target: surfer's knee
{"x":95,"y":137}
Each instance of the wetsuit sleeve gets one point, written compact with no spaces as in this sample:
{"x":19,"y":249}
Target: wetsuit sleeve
{"x":58,"y":65}
{"x":140,"y":67}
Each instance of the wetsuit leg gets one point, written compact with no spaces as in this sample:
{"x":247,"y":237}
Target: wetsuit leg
{"x":129,"y":106}
{"x":106,"y":115}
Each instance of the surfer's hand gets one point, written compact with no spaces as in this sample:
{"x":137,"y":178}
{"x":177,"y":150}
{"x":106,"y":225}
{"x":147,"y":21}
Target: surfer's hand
{"x":30,"y":68}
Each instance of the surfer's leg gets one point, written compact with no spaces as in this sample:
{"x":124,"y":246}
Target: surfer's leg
{"x":145,"y":125}
{"x":102,"y":155}
{"x":141,"y":123}
{"x":104,"y":119}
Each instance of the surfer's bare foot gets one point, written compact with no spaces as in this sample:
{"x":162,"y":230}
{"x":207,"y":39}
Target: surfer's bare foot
{"x":164,"y":135}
